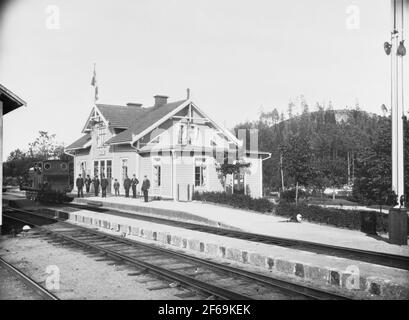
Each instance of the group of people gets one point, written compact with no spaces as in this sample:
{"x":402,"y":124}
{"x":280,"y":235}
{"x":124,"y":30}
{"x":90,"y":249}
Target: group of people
{"x":128,"y":184}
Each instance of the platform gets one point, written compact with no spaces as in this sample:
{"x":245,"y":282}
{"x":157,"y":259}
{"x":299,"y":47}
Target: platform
{"x":314,"y":269}
{"x":213,"y":214}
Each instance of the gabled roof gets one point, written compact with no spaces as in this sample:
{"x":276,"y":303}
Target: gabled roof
{"x":120,"y":116}
{"x":145,"y":120}
{"x":81,"y":143}
{"x":10,"y":100}
{"x":139,"y":121}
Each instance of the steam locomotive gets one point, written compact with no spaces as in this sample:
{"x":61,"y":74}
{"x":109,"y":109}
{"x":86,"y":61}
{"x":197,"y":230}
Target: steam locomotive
{"x":49,"y":181}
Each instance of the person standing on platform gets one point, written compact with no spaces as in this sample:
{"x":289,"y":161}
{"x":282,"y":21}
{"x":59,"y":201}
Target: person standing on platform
{"x":127,"y":185}
{"x":80,"y":185}
{"x":88,"y":182}
{"x":146,"y":184}
{"x":134,"y":183}
{"x":104,"y":185}
{"x":96,"y":185}
{"x":116,"y":187}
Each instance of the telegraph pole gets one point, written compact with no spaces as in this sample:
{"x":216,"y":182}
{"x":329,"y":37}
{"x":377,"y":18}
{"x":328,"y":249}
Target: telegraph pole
{"x":399,"y":8}
{"x":397,"y":218}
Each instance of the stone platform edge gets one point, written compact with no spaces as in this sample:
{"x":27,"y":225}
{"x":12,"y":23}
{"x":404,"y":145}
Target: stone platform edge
{"x":163,"y":213}
{"x":338,"y":280}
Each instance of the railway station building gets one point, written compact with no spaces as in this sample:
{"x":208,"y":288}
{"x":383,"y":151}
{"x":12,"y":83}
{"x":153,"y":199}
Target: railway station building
{"x":9,"y":101}
{"x":175,"y":144}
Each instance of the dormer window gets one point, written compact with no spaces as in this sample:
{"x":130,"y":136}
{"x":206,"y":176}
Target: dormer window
{"x":119,"y":130}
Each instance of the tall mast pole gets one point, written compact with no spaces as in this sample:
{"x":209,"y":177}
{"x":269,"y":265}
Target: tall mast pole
{"x":398,"y":8}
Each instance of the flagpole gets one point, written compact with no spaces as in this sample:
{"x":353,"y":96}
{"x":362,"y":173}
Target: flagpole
{"x":94,"y":84}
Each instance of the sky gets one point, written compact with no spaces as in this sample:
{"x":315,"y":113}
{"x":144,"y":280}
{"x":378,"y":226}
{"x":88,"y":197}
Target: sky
{"x":237,"y":57}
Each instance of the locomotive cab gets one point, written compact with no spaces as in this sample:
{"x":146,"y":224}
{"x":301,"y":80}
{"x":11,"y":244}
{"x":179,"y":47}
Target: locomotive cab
{"x":49,"y":180}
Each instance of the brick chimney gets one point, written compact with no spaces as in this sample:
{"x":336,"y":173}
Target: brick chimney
{"x":160,"y":100}
{"x":134,"y":104}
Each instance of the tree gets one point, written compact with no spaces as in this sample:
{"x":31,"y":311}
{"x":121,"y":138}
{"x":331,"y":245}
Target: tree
{"x":16,"y":155}
{"x":225,"y":168}
{"x":334,"y":170}
{"x":373,"y":182}
{"x":297,"y":161}
{"x":44,"y":147}
{"x":290,"y":109}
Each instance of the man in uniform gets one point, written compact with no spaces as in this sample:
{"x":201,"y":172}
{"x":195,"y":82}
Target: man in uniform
{"x":96,"y":185}
{"x":146,"y":184}
{"x":134,"y":183}
{"x":87,"y":183}
{"x":127,"y":185}
{"x":80,"y":184}
{"x":104,"y":185}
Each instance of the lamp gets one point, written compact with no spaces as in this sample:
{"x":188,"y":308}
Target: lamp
{"x":387,"y":47}
{"x":401,"y":49}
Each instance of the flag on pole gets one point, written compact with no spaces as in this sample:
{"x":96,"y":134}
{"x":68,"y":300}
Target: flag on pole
{"x":94,"y":84}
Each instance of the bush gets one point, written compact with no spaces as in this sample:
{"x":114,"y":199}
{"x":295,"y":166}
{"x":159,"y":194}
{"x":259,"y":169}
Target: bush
{"x":289,"y":195}
{"x":11,"y":181}
{"x":350,"y":219}
{"x":241,"y":201}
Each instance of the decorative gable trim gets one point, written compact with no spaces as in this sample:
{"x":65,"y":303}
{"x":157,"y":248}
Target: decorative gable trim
{"x":94,"y":112}
{"x":228,"y":134}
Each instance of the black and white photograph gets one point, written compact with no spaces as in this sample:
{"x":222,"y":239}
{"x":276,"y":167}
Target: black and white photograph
{"x":184,"y":153}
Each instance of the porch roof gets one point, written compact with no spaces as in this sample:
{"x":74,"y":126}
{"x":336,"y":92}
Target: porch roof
{"x":10,"y":100}
{"x":81,"y":143}
{"x":197,"y":149}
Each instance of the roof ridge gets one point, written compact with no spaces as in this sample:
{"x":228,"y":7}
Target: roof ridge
{"x":145,"y":120}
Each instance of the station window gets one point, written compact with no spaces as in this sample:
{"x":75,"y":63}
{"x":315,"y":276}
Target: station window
{"x":102,"y":168}
{"x":101,"y":136}
{"x":96,"y":168}
{"x":194,"y":135}
{"x":200,"y":172}
{"x":124,"y":168}
{"x":157,"y":175}
{"x":157,"y":172}
{"x":182,"y":135}
{"x":109,"y":169}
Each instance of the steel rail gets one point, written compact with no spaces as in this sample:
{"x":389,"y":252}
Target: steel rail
{"x":286,"y":286}
{"x":173,"y":276}
{"x":47,"y":295}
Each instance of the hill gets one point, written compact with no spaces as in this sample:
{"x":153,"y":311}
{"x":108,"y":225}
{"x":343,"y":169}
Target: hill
{"x":328,"y":148}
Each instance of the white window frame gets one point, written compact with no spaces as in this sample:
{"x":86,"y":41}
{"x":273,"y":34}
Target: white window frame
{"x":105,"y":161}
{"x":205,"y":175}
{"x":101,"y":135}
{"x":126,"y":161}
{"x":183,"y":141}
{"x":157,"y":162}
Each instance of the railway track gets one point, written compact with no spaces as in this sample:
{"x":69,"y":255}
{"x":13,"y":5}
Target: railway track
{"x":30,"y":283}
{"x":385,"y":259}
{"x":205,"y":276}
